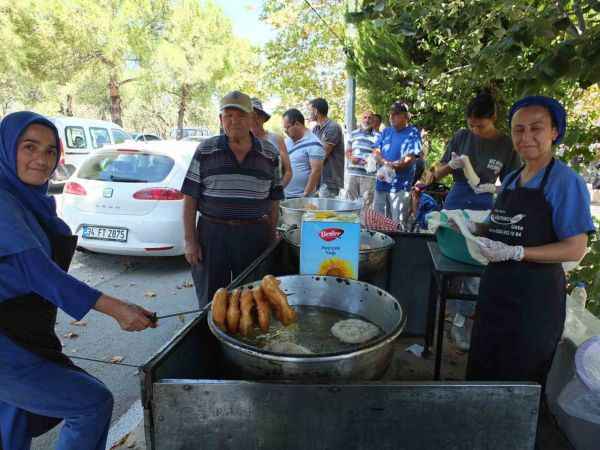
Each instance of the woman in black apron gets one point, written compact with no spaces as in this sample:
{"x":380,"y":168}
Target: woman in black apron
{"x":39,"y":385}
{"x":541,"y":219}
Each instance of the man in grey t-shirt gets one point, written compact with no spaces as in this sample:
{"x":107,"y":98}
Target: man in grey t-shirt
{"x":306,"y":156}
{"x":331,"y":136}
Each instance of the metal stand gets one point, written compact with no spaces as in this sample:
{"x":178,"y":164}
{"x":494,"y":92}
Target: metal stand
{"x":443,"y":271}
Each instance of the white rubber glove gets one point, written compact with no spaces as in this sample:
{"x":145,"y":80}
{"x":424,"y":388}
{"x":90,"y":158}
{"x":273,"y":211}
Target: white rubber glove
{"x":496,"y":251}
{"x":485,"y":188}
{"x":456,"y":162}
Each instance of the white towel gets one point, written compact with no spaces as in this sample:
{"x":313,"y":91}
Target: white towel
{"x":460,"y":217}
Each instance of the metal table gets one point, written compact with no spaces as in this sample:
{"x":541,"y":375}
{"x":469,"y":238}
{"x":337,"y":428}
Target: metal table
{"x":443,"y":271}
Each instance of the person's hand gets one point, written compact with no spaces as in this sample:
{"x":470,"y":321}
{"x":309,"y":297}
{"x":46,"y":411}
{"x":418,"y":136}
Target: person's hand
{"x":496,"y":251}
{"x":193,"y":252}
{"x":377,"y":155}
{"x":485,"y":188}
{"x":132,"y":317}
{"x":456,"y":162}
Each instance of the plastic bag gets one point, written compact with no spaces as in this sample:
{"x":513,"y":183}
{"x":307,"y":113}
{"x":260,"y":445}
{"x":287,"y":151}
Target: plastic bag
{"x":386,"y":174}
{"x":371,"y":164}
{"x":581,"y":397}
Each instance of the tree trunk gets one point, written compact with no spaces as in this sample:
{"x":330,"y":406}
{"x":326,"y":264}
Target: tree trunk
{"x":70,"y":105}
{"x":182,"y":108}
{"x":115,"y":101}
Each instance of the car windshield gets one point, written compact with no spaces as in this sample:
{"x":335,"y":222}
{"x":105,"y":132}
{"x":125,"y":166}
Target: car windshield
{"x":127,"y":167}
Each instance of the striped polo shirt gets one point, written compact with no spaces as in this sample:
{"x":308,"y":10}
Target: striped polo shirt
{"x":362,"y":143}
{"x":227,"y":189}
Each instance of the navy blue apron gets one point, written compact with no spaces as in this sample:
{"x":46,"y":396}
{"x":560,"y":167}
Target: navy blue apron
{"x":29,"y":321}
{"x":521,"y":307}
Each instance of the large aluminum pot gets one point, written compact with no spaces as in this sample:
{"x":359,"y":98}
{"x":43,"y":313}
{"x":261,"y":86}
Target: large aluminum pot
{"x":293,"y":209}
{"x":374,"y":253}
{"x":366,"y":362}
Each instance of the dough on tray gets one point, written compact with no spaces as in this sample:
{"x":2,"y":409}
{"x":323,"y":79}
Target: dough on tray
{"x":354,"y":331}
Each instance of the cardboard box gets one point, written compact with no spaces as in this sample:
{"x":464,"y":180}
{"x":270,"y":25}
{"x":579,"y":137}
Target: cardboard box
{"x":330,"y":244}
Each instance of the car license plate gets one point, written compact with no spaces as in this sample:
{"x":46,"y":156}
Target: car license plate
{"x":105,"y":233}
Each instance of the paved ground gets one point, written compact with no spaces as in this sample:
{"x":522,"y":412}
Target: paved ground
{"x":159,"y":284}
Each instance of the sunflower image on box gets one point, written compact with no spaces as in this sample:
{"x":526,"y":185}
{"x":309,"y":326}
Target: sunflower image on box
{"x":330,"y":244}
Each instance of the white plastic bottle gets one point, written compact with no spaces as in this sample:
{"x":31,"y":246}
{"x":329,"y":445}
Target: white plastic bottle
{"x":579,"y":296}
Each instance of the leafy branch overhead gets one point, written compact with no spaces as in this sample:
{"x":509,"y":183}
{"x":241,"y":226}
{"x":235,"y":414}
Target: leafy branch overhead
{"x":148,"y":64}
{"x":438,"y":53}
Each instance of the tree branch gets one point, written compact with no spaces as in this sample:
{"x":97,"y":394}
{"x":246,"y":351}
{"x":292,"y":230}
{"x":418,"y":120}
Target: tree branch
{"x":580,"y":18}
{"x":128,"y":80}
{"x":572,"y":27}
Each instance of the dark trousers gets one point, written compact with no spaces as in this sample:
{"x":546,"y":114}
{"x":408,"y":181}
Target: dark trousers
{"x":226,"y":251}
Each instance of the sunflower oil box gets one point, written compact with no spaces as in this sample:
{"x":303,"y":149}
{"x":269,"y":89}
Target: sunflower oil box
{"x":330,"y":244}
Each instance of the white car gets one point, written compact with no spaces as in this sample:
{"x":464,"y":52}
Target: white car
{"x":125,"y":199}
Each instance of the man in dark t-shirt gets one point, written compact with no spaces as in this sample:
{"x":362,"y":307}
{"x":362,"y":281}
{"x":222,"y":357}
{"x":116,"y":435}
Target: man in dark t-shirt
{"x":332,"y":137}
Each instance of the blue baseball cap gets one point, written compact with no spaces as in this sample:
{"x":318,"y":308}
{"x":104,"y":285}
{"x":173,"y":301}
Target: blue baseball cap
{"x":556,"y":109}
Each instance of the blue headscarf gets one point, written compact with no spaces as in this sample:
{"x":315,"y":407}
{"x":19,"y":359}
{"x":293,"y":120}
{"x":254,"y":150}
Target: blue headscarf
{"x":557,"y":111}
{"x":19,"y":201}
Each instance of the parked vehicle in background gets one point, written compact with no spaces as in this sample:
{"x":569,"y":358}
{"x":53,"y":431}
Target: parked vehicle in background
{"x":145,"y":137}
{"x":80,"y":136}
{"x":195,"y":138}
{"x":125,"y":199}
{"x":184,"y":133}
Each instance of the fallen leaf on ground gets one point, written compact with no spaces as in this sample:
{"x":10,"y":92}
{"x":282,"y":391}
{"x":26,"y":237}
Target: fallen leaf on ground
{"x":117,"y":359}
{"x":71,"y":335}
{"x":119,"y":442}
{"x":187,"y":284}
{"x":181,"y":317}
{"x":130,"y":442}
{"x":150,"y":294}
{"x":79,"y":323}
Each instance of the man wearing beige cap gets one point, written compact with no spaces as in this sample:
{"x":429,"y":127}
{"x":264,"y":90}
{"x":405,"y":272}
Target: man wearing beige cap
{"x":233,"y":181}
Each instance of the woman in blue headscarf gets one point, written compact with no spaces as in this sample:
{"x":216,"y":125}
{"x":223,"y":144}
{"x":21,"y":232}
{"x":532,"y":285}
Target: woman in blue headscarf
{"x":39,"y":385}
{"x":540,"y":219}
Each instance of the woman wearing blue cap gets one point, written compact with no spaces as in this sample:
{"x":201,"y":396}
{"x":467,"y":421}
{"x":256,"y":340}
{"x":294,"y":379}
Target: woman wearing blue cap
{"x":540,"y":219}
{"x":39,"y":385}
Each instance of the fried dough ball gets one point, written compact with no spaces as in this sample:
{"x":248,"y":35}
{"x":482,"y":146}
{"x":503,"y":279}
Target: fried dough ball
{"x":233,"y":311}
{"x":246,"y":306}
{"x":219,"y":308}
{"x":263,"y":308}
{"x":277,"y":298}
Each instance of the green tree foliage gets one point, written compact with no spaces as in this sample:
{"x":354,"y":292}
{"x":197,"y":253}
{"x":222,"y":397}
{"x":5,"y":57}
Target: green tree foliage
{"x":194,"y":54}
{"x":437,"y":54}
{"x":307,"y":57}
{"x":128,"y":61}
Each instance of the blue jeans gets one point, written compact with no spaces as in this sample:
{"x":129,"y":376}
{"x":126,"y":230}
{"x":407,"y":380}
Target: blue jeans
{"x":31,"y":383}
{"x":395,"y":205}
